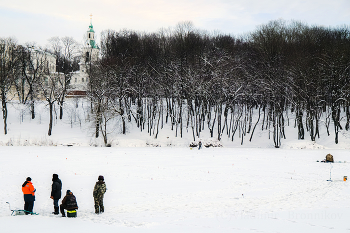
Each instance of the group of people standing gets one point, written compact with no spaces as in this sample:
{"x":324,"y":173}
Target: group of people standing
{"x":69,"y":202}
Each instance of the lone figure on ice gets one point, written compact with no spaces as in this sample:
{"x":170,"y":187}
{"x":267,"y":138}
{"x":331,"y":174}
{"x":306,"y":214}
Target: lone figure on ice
{"x":29,"y":195}
{"x":199,"y":145}
{"x":69,"y":202}
{"x":56,"y":192}
{"x":99,"y":191}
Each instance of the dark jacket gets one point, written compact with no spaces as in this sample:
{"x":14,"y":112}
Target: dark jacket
{"x":56,"y":189}
{"x":69,"y":202}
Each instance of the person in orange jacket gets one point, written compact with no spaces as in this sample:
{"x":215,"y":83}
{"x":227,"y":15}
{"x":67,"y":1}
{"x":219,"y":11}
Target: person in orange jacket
{"x":29,"y":195}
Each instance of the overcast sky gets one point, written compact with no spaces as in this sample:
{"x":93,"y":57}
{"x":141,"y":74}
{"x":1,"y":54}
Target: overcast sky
{"x":39,"y":20}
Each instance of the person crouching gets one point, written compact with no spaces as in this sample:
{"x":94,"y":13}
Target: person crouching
{"x":69,"y":202}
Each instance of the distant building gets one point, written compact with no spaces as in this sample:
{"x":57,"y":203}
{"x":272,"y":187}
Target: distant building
{"x":40,"y":68}
{"x":90,"y":53}
{"x":44,"y":61}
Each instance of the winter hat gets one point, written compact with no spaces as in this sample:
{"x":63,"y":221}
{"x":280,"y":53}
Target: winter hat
{"x":29,"y":179}
{"x":101,"y":178}
{"x":54,"y":177}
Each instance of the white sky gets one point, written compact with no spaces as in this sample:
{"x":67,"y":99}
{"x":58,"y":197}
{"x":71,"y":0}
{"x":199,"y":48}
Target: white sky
{"x":39,"y":20}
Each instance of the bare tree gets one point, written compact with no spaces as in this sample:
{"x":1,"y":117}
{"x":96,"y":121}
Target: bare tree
{"x":65,"y":50}
{"x":34,"y":67}
{"x":8,"y":71}
{"x":51,"y":90}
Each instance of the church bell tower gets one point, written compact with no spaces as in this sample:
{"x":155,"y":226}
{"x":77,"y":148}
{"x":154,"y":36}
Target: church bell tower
{"x":89,"y":55}
{"x":91,"y":35}
{"x":91,"y":50}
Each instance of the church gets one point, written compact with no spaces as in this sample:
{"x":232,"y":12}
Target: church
{"x":89,"y":54}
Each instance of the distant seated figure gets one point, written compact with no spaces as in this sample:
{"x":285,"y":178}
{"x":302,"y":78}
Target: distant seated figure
{"x":329,"y":158}
{"x":69,"y":202}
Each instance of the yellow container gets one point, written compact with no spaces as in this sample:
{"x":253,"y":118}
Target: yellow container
{"x":345,"y":178}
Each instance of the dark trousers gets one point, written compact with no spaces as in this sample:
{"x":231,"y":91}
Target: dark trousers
{"x":64,"y":207}
{"x":55,"y":202}
{"x":28,"y":206}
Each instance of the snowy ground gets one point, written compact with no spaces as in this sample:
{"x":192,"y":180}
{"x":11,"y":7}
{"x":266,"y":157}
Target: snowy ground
{"x":180,"y":190}
{"x":77,"y":129}
{"x":161,"y":185}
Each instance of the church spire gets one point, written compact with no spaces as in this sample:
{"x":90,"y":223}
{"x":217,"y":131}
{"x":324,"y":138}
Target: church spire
{"x":91,"y":35}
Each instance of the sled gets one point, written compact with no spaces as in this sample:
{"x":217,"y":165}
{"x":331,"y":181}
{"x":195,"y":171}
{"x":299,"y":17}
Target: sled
{"x":20,"y":212}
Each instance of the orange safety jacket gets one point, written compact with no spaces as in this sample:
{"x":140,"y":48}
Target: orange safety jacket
{"x":28,"y":188}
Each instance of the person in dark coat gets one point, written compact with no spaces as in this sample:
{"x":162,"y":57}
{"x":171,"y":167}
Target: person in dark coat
{"x":29,"y":195}
{"x":56,"y":192}
{"x":199,"y":145}
{"x":98,"y":193}
{"x":69,"y":202}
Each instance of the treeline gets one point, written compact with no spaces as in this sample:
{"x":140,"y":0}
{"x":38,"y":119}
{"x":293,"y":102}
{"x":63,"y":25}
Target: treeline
{"x":193,"y":79}
{"x":29,"y":73}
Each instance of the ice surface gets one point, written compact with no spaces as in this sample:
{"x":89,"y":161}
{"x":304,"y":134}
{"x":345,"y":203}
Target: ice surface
{"x":171,"y":188}
{"x":180,"y":190}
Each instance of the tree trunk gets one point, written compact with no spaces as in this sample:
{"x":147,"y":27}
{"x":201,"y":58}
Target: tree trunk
{"x":104,"y":132}
{"x":50,"y":123}
{"x":219,"y":109}
{"x":300,"y":124}
{"x":61,"y":110}
{"x":32,"y":110}
{"x":251,"y":136}
{"x":180,"y":118}
{"x":98,"y":118}
{"x":336,"y":120}
{"x":4,"y":112}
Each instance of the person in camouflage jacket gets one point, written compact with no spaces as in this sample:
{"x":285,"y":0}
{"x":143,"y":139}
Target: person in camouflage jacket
{"x":99,"y":191}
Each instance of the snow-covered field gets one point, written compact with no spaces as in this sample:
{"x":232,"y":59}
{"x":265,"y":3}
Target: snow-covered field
{"x":161,"y":185}
{"x":180,"y":190}
{"x":77,"y":129}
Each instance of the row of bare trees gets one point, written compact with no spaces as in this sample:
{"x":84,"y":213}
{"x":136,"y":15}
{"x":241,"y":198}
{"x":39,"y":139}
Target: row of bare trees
{"x":194,"y":80}
{"x":29,"y":73}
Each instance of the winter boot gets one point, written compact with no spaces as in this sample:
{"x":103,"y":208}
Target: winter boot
{"x":97,"y":209}
{"x":102,"y":209}
{"x":62,"y":212}
{"x":56,"y":210}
